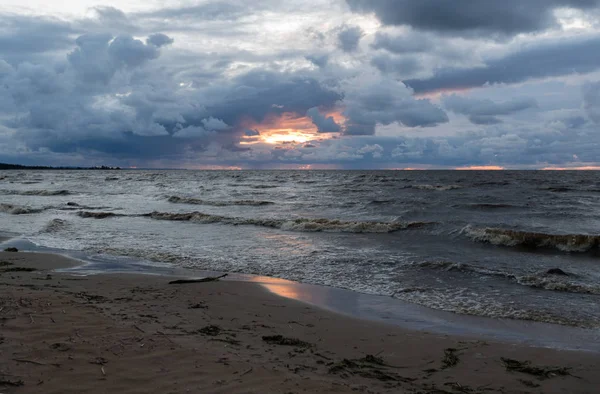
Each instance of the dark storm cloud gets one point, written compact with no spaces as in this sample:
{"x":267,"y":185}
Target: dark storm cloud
{"x":486,"y":111}
{"x":98,"y":56}
{"x":318,"y":60}
{"x":383,"y":101}
{"x":411,"y":42}
{"x":537,"y":61}
{"x":324,"y":124}
{"x":22,"y":36}
{"x":259,"y":93}
{"x":159,"y":40}
{"x":496,"y":17}
{"x":404,"y":66}
{"x":591,"y":101}
{"x":349,"y":37}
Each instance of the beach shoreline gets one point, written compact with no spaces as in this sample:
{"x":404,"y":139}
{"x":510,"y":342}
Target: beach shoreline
{"x":138,"y":333}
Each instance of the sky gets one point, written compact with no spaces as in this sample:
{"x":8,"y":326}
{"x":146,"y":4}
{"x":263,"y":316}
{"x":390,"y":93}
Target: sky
{"x":301,"y":84}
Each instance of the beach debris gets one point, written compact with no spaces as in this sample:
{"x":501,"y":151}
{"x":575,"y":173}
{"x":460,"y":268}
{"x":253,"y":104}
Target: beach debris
{"x":202,"y":280}
{"x":450,"y":358}
{"x":199,"y":305}
{"x":370,"y":367}
{"x":99,"y":361}
{"x":540,"y":372}
{"x":21,"y":360}
{"x":61,"y":347}
{"x":5,"y":263}
{"x":247,"y":372}
{"x":556,"y":271}
{"x":211,"y":330}
{"x":18,"y":269}
{"x":529,"y":383}
{"x":283,"y":341}
{"x":11,"y":250}
{"x":228,"y":340}
{"x":12,"y":383}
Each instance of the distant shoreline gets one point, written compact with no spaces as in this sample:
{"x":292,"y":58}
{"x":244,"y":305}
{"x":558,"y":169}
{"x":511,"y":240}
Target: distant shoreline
{"x":6,"y":166}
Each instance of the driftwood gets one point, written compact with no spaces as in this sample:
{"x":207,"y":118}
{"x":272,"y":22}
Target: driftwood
{"x":203,"y":280}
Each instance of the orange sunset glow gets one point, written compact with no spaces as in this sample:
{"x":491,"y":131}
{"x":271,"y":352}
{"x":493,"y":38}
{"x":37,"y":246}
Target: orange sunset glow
{"x":582,"y":168}
{"x":480,"y":168}
{"x":288,"y":128}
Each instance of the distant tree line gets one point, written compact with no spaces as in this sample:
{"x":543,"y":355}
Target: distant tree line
{"x":6,"y":166}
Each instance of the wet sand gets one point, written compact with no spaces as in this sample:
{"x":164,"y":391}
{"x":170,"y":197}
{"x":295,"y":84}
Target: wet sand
{"x":139,"y":334}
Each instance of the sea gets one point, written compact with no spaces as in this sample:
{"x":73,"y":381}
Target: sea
{"x":521,"y":245}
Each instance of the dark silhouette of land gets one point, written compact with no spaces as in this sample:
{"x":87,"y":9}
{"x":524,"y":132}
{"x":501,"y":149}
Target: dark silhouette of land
{"x":6,"y":166}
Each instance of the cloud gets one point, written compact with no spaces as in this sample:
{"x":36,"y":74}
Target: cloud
{"x":373,"y":100}
{"x":22,"y":37}
{"x":324,"y":124}
{"x":349,"y":37}
{"x":159,"y":40}
{"x":403,"y":66}
{"x":486,"y":111}
{"x":591,"y":101}
{"x":470,"y":17}
{"x":553,"y":59}
{"x":318,"y":60}
{"x":258,"y":93}
{"x":407,"y":42}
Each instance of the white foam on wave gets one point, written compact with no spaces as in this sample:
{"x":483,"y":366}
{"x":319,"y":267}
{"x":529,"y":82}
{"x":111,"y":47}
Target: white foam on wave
{"x":506,"y":237}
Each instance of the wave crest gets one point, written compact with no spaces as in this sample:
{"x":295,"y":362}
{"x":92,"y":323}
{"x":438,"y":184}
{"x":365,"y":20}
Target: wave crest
{"x":98,"y":215}
{"x":541,"y":280}
{"x":19,"y":209}
{"x":505,"y":237}
{"x":47,"y":193}
{"x":55,"y":225}
{"x":436,"y":187}
{"x":196,"y":201}
{"x":302,"y":225}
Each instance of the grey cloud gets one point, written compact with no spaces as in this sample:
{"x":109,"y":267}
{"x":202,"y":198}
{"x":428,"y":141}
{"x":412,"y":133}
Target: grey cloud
{"x":258,"y":93}
{"x":23,"y":36}
{"x":385,"y":101}
{"x":410,"y":42}
{"x":485,"y":112}
{"x":209,"y":10}
{"x":404,"y":66}
{"x":318,"y":60}
{"x":129,"y":52}
{"x":484,"y":119}
{"x":251,"y":132}
{"x":349,"y":37}
{"x":324,"y":124}
{"x":506,"y":17}
{"x":538,"y":61}
{"x":98,"y":56}
{"x":159,"y":40}
{"x":591,"y":101}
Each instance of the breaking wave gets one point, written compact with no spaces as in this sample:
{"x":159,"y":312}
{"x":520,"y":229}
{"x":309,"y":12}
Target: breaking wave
{"x":491,"y":206}
{"x":55,"y":225}
{"x":505,"y":237}
{"x":19,"y":209}
{"x":99,"y":215}
{"x":196,"y":201}
{"x":542,"y":280}
{"x":303,"y":224}
{"x":468,"y":302}
{"x":435,"y":187}
{"x":36,"y":192}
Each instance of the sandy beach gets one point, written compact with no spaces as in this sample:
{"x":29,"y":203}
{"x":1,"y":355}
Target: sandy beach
{"x":140,"y":334}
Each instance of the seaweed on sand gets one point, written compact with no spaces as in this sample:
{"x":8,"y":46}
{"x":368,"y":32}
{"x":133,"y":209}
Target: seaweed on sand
{"x":544,"y":372}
